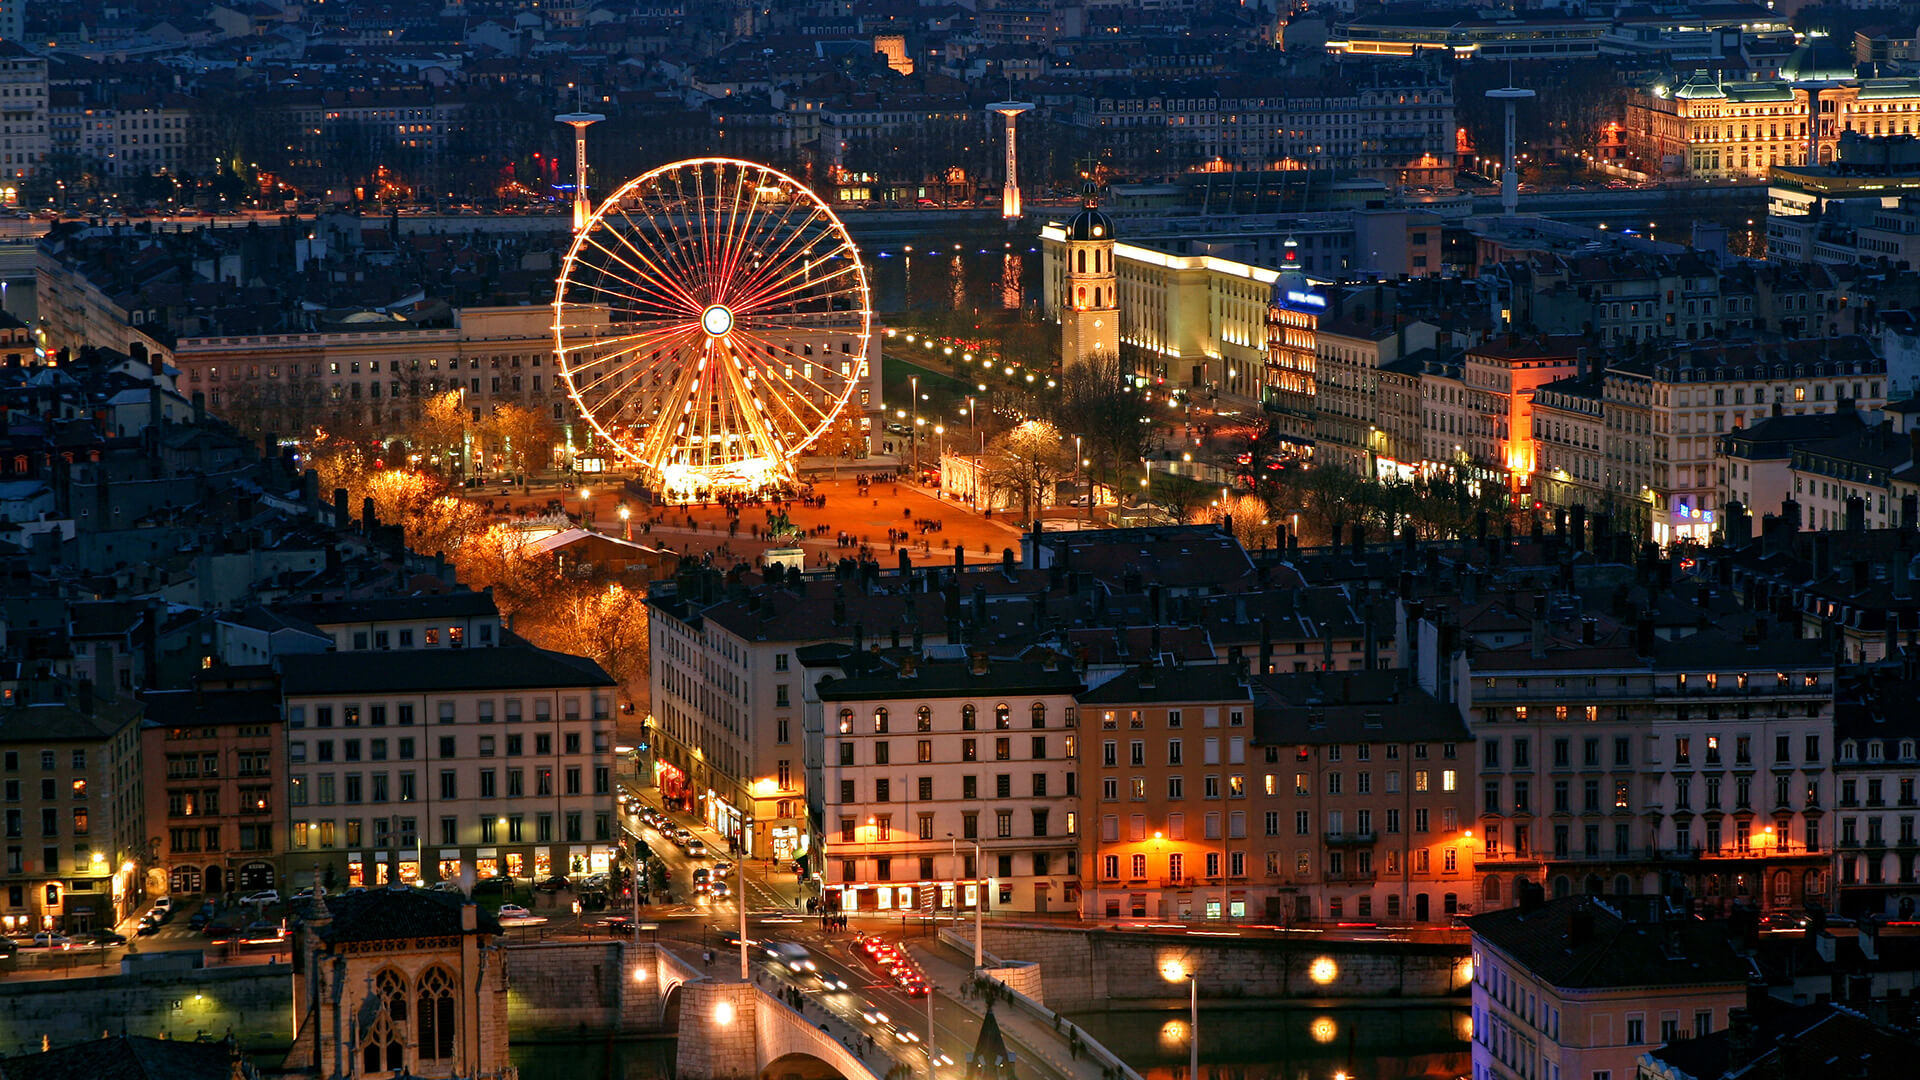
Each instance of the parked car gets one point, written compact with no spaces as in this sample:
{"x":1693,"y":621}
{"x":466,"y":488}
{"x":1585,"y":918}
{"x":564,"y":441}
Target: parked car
{"x":264,"y":896}
{"x":445,"y":886}
{"x":165,"y":903}
{"x":513,"y":911}
{"x":46,"y":939}
{"x":553,"y":884}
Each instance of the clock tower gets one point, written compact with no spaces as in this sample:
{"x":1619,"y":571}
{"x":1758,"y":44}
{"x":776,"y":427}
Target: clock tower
{"x":1090,"y":304}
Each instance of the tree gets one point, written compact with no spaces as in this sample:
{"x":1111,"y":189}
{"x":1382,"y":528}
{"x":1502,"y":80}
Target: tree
{"x":523,"y":437}
{"x":1029,"y":460}
{"x":440,"y":430}
{"x":1331,"y":497}
{"x":1246,"y":513}
{"x":1097,"y":401}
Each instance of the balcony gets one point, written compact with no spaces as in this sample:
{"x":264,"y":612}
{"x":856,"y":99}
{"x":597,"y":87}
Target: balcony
{"x":1349,"y":839}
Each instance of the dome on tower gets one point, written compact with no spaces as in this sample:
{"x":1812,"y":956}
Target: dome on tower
{"x":1090,"y":223}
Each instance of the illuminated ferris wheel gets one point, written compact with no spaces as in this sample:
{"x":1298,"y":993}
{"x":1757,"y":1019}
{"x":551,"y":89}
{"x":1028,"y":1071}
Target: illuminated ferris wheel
{"x":711,"y":322}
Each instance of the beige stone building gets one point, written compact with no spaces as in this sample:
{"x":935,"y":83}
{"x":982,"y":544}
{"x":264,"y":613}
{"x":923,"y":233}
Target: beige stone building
{"x":453,"y":764}
{"x":930,"y":764}
{"x":1582,"y":987}
{"x":70,"y":797}
{"x":1283,"y":798}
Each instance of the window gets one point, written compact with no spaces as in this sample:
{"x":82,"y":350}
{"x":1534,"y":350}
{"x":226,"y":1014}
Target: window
{"x":1636,"y":1030}
{"x":1003,"y":823}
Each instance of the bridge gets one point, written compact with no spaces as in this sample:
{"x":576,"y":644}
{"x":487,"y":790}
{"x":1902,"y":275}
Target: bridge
{"x":727,"y":1029}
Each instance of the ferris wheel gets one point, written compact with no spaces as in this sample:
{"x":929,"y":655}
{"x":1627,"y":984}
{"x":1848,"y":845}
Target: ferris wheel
{"x":711,"y":322}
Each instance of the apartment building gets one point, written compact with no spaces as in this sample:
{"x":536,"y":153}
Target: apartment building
{"x":1579,"y":988}
{"x":1393,"y":123}
{"x":1613,"y":761}
{"x":446,"y":765}
{"x":212,"y":763}
{"x":1570,"y":444}
{"x":1349,"y":427}
{"x":1501,"y":375}
{"x":1166,"y":772}
{"x":979,"y":792}
{"x":1366,"y":798}
{"x":70,"y":793}
{"x":1876,"y":771}
{"x":1859,"y":479}
{"x":23,"y":117}
{"x":1694,"y":395}
{"x":1300,"y":797}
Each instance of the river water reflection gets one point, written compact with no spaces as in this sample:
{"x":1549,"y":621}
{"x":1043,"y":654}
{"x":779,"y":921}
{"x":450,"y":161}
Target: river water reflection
{"x":1251,"y":1043}
{"x":1256,"y":1043}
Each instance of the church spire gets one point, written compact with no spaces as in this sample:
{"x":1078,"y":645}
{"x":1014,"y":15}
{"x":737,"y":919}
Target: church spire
{"x":990,"y":1060}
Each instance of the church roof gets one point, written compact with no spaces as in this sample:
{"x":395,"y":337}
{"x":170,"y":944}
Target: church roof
{"x":393,"y":914}
{"x":990,"y":1060}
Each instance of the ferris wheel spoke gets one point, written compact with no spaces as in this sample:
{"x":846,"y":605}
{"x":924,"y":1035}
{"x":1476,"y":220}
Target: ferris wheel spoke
{"x":776,"y":359}
{"x":710,"y":216}
{"x":666,"y":256}
{"x":795,"y":281}
{"x":658,"y":330}
{"x":648,"y":309}
{"x":651,"y":269}
{"x":741,"y":230}
{"x":796,"y":242}
{"x":749,"y":408}
{"x":753,"y":244}
{"x":663,"y":287}
{"x":636,"y":350}
{"x":675,"y":406}
{"x":689,"y":229}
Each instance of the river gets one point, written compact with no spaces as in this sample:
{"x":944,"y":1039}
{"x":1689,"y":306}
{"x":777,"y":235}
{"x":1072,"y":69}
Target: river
{"x":1410,"y":1042}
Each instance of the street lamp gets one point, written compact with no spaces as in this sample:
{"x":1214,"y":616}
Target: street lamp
{"x":913,"y":429}
{"x":1193,"y":1026}
{"x":586,"y":509}
{"x":626,"y":520}
{"x":979,"y":897}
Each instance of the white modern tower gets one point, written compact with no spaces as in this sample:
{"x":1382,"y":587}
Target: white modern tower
{"x":1010,"y":191}
{"x":1510,"y":176}
{"x":582,"y":207}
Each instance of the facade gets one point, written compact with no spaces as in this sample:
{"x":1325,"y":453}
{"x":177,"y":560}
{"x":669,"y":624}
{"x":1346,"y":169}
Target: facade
{"x":24,"y":117}
{"x":1569,"y":438}
{"x":1317,"y":796}
{"x":1392,"y":123}
{"x":70,"y":769}
{"x":399,"y":982}
{"x":454,"y":765}
{"x":1167,"y":795}
{"x":1627,"y":765}
{"x":1713,"y":129}
{"x":1292,"y":377}
{"x":1501,"y":375}
{"x":1696,"y":395}
{"x":1350,"y":408}
{"x":1876,"y":772}
{"x":211,"y":769}
{"x":1582,"y":987}
{"x":1199,"y":321}
{"x":727,"y":693}
{"x":980,"y":793}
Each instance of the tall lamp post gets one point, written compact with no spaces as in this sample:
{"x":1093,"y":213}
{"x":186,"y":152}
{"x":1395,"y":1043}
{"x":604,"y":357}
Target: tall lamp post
{"x":1193,"y":1027}
{"x":626,"y":521}
{"x":979,"y":899}
{"x":913,"y":428}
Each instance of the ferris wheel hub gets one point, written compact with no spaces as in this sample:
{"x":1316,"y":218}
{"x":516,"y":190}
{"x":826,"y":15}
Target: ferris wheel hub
{"x":717,"y":320}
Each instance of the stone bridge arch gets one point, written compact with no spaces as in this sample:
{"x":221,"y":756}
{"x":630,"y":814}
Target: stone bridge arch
{"x":730,"y":1030}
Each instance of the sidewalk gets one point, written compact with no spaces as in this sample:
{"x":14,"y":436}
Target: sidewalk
{"x":1030,"y":1037}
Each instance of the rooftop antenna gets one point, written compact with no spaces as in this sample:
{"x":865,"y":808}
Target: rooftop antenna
{"x":580,"y":120}
{"x":1510,"y":178}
